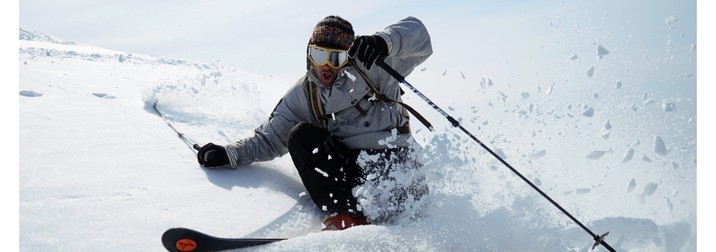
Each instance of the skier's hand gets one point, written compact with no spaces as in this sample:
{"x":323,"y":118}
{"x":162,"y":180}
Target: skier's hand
{"x":212,"y":155}
{"x":368,"y":49}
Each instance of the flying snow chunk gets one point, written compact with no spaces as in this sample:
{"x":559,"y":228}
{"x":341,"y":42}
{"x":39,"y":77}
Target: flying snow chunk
{"x":670,"y":20}
{"x":588,"y":112}
{"x":29,"y":93}
{"x":537,"y":182}
{"x":618,"y":84}
{"x":502,"y":95}
{"x":659,"y":146}
{"x":103,"y":95}
{"x":325,"y":174}
{"x":538,"y":154}
{"x":601,"y":51}
{"x":583,"y":190}
{"x":357,"y":192}
{"x":668,"y":107}
{"x":649,"y":189}
{"x":350,"y":76}
{"x":605,"y":134}
{"x":597,"y":154}
{"x":669,"y":205}
{"x":590,"y":72}
{"x":606,"y":130}
{"x":631,"y":185}
{"x":674,"y":165}
{"x":628,"y":155}
{"x":607,"y":125}
{"x":574,"y":57}
{"x":500,"y":153}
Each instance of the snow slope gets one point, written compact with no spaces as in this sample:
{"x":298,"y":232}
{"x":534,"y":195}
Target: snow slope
{"x":595,"y":131}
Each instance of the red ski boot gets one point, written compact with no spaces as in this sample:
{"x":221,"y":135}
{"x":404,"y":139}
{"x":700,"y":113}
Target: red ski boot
{"x":342,"y":221}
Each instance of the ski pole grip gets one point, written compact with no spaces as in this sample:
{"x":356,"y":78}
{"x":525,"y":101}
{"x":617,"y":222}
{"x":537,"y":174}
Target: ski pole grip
{"x":208,"y":155}
{"x":381,"y":63}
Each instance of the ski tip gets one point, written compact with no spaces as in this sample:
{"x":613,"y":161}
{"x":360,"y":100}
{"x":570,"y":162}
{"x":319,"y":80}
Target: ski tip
{"x":185,"y":245}
{"x":188,"y":240}
{"x":178,"y":240}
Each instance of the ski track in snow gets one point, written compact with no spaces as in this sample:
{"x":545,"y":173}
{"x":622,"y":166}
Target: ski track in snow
{"x":120,"y":167}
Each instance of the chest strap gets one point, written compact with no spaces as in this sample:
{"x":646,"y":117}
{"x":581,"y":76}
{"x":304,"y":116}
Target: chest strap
{"x":380,"y":96}
{"x":314,"y":99}
{"x":314,"y":95}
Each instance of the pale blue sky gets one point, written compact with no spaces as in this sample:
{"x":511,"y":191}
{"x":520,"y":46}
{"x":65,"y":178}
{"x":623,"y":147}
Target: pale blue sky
{"x":268,"y":37}
{"x":230,"y":31}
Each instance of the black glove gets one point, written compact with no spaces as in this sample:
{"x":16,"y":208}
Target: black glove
{"x":368,"y":49}
{"x":212,"y":155}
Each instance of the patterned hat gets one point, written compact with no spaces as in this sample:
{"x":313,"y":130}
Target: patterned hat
{"x":333,"y":32}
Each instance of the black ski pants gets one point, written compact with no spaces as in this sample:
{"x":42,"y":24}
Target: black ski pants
{"x":327,"y":168}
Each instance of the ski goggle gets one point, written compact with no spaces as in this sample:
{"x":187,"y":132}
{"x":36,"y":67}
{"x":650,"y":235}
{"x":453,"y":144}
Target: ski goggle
{"x":326,"y":56}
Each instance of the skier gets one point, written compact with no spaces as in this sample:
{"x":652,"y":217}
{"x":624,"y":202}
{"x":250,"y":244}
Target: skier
{"x":339,"y":110}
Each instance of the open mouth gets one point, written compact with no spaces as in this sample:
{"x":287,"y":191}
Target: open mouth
{"x":326,"y":76}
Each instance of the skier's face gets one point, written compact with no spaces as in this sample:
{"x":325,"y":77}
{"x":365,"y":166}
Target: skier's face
{"x":326,"y":74}
{"x":326,"y":62}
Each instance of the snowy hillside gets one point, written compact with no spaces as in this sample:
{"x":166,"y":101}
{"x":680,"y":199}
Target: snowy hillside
{"x":597,"y":131}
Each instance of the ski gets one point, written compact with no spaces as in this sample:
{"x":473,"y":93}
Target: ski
{"x":189,"y":240}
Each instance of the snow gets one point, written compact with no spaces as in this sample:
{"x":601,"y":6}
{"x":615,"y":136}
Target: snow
{"x":601,"y":51}
{"x":100,"y":170}
{"x":321,"y":172}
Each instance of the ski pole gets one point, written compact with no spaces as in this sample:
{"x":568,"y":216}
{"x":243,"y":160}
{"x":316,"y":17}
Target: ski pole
{"x":208,"y":155}
{"x":599,"y":239}
{"x":181,"y":135}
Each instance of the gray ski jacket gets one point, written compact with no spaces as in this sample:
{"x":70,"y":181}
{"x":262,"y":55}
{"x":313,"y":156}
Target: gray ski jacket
{"x":353,"y":117}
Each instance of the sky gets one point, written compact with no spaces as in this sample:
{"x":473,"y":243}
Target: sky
{"x":235,"y":34}
{"x":269,"y":37}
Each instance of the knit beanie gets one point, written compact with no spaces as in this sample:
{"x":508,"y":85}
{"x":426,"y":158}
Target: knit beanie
{"x":333,"y":32}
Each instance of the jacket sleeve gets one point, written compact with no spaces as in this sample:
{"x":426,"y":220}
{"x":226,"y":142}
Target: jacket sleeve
{"x":270,"y":140}
{"x":408,"y":43}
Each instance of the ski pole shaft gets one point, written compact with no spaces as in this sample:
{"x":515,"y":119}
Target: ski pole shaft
{"x":401,"y":79}
{"x":181,"y":135}
{"x":455,"y":123}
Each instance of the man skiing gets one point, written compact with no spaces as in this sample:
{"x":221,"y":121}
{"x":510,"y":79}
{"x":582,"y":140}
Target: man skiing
{"x":343,"y":107}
